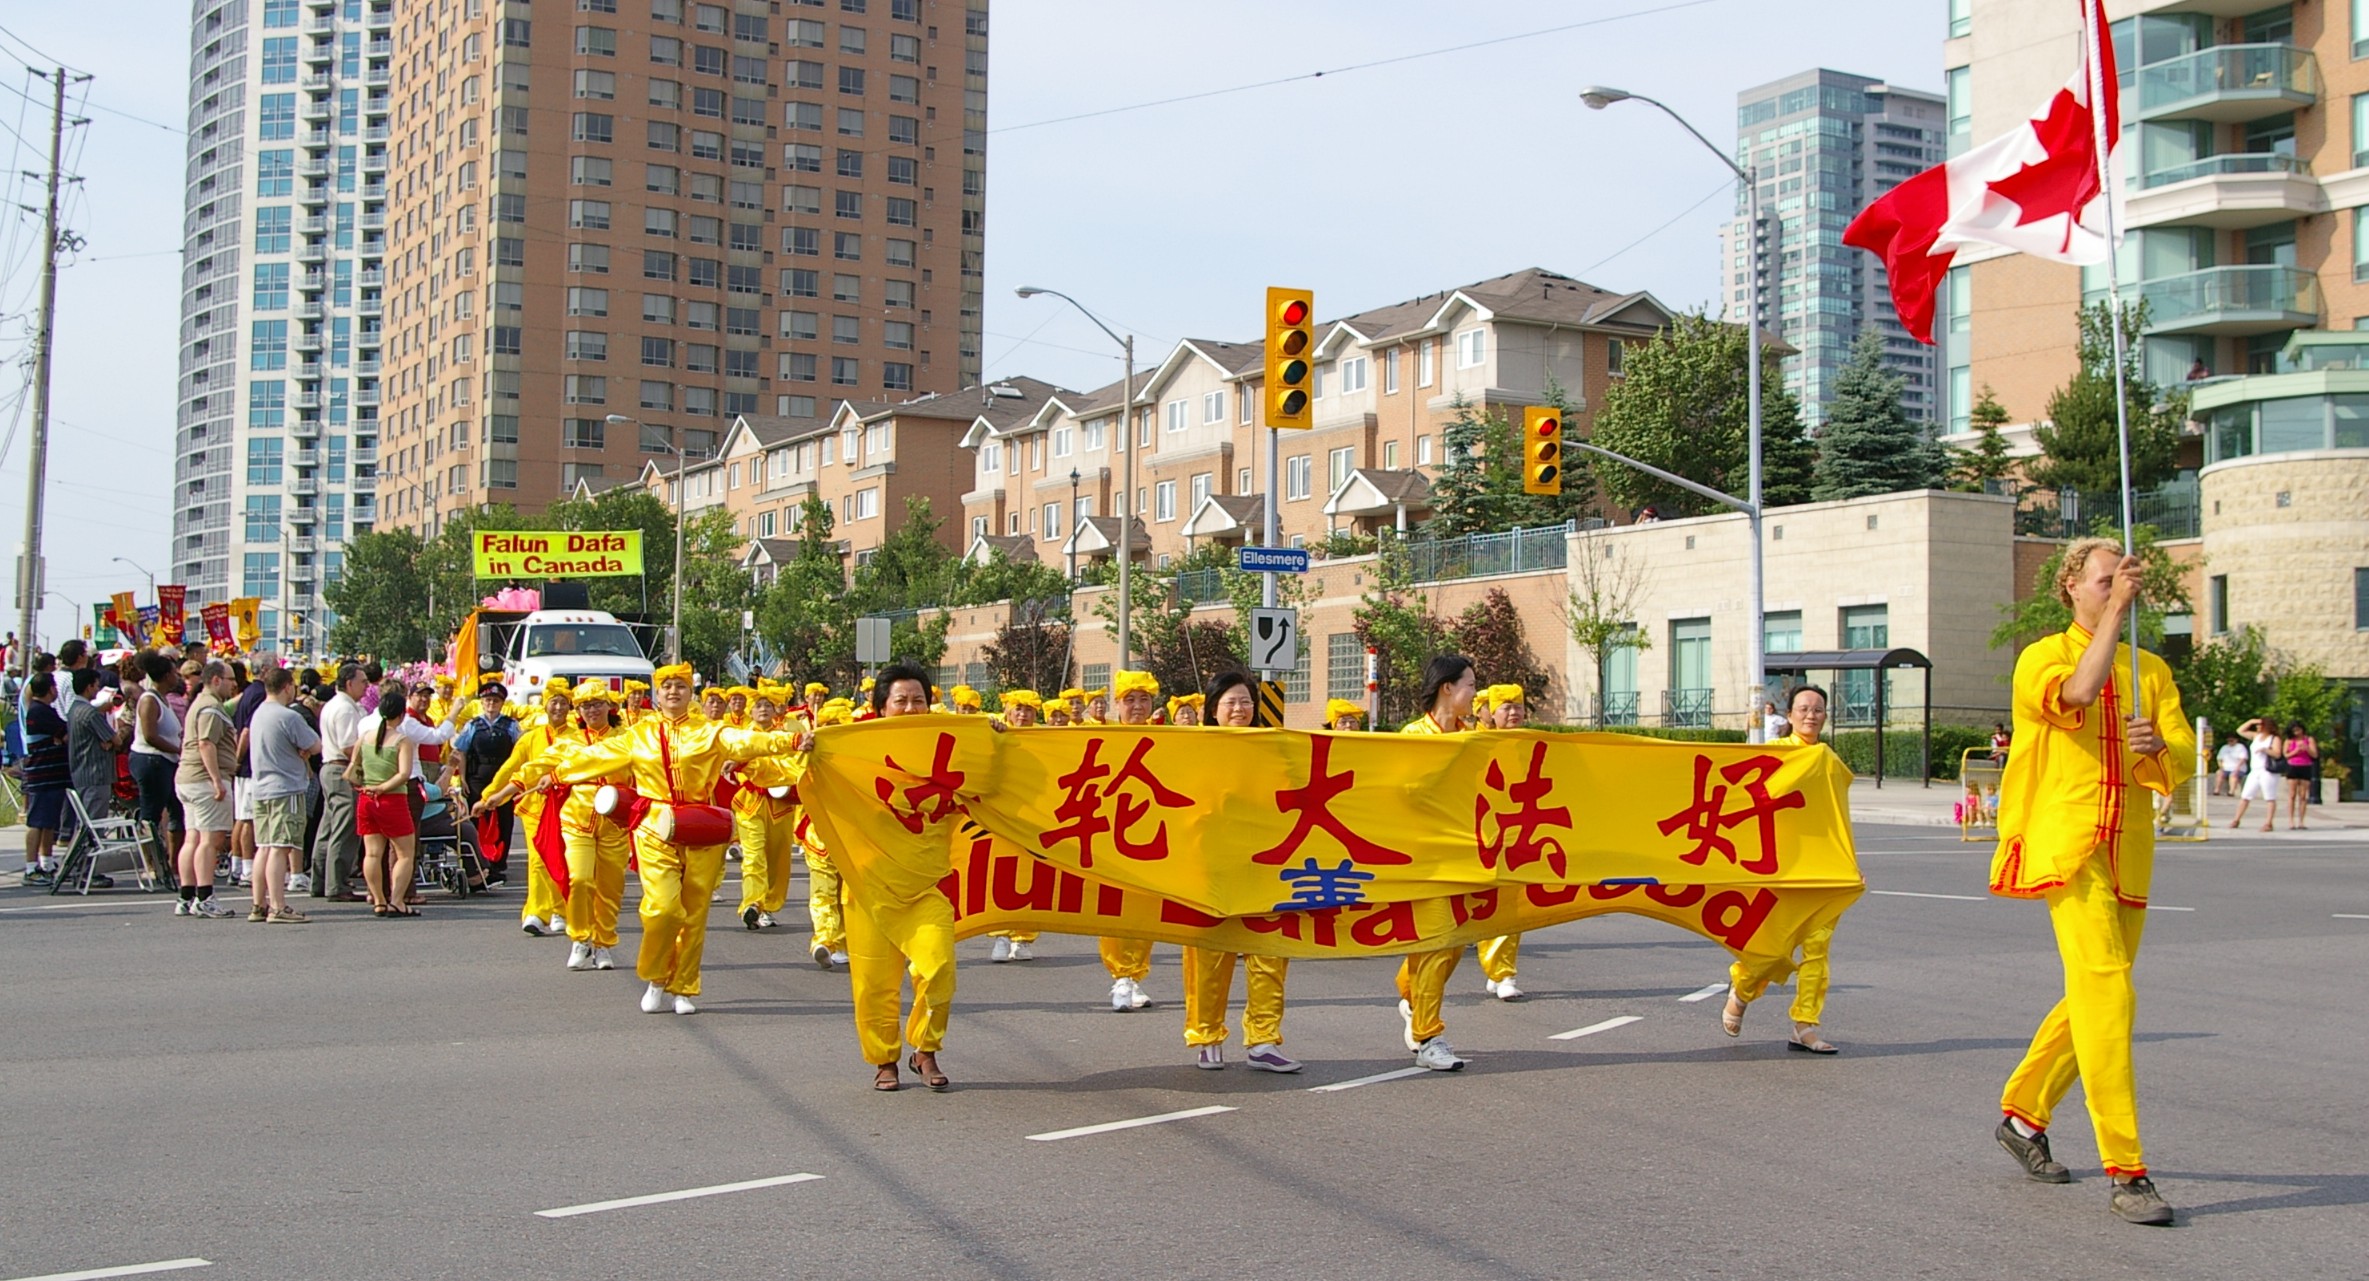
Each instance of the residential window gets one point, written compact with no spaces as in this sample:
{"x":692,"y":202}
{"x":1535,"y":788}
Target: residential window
{"x":1390,"y":372}
{"x":666,"y":94}
{"x":499,"y":473}
{"x":902,"y":212}
{"x":658,"y":309}
{"x":845,"y":371}
{"x":263,"y":460}
{"x":1198,"y":490}
{"x":275,"y":118}
{"x":1961,"y":17}
{"x":273,"y":224}
{"x":904,"y":130}
{"x":583,"y":344}
{"x":662,"y":135}
{"x":269,"y":347}
{"x":902,"y":171}
{"x":1297,"y":472}
{"x":897,"y":293}
{"x":847,"y":288}
{"x":850,"y":164}
{"x":1052,"y":524}
{"x":1780,"y":632}
{"x":585,"y":389}
{"x":896,"y":375}
{"x":591,"y":258}
{"x":1353,"y":375}
{"x":851,"y":81}
{"x":657,"y":264}
{"x":275,"y":172}
{"x":2360,"y":600}
{"x":802,"y":33}
{"x":1614,"y":352}
{"x":596,"y":84}
{"x":1958,"y":90}
{"x":1164,"y":501}
{"x":699,"y":357}
{"x":657,"y":395}
{"x":802,"y":200}
{"x":1390,"y":455}
{"x":1175,"y":413}
{"x":279,"y":60}
{"x":658,"y":352}
{"x":596,"y":42}
{"x":589,"y":171}
{"x":1213,"y":407}
{"x":663,"y":179}
{"x":1337,"y":465}
{"x":905,"y":89}
{"x":1064,"y":442}
{"x":1426,"y":354}
{"x":904,"y":49}
{"x":589,"y":215}
{"x":846,"y":330}
{"x":261,"y":576}
{"x":271,"y":286}
{"x":2217,"y":594}
{"x":1471,"y":348}
{"x":584,"y":433}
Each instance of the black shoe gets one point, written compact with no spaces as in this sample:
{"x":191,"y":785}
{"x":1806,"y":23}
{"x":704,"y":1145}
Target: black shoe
{"x":101,"y":881}
{"x":39,"y":876}
{"x":749,"y":918}
{"x":2032,"y":1153}
{"x":2138,"y":1202}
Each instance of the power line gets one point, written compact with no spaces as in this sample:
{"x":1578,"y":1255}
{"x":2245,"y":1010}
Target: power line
{"x":1675,"y":219}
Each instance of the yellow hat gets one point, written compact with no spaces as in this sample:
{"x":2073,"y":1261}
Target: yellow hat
{"x":768,"y":692}
{"x":1183,"y":700}
{"x":1073,"y":695}
{"x":443,"y":681}
{"x":1336,"y":708}
{"x":815,"y":687}
{"x":593,"y":689}
{"x":559,"y":688}
{"x":1500,"y":695}
{"x":965,"y":696}
{"x":1129,"y":682}
{"x":672,"y":672}
{"x":740,"y":692}
{"x":866,"y":687}
{"x":837,"y":711}
{"x":1060,"y":705}
{"x":1012,"y":698}
{"x":633,"y":686}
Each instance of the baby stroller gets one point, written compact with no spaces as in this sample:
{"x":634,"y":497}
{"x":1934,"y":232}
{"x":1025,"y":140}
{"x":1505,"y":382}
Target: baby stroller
{"x":448,"y":856}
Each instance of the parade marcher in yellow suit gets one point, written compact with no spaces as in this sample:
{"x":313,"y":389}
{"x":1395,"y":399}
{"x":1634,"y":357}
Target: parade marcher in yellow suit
{"x":1058,"y":711}
{"x":1423,"y":976}
{"x":826,"y":893}
{"x":1129,"y":961}
{"x":766,"y":824}
{"x":1806,"y":713}
{"x":675,"y":756}
{"x":1341,"y":714}
{"x":1209,"y":974}
{"x":2076,"y":831}
{"x":1020,"y":708}
{"x":597,"y":846}
{"x":1507,"y":708}
{"x":1185,"y":709}
{"x":898,"y":923}
{"x":542,"y":912}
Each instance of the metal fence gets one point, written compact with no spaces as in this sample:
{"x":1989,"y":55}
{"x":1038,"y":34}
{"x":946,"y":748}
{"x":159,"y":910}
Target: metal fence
{"x":2175,"y":510}
{"x":1201,"y":586}
{"x":1686,"y":708}
{"x":1476,"y":555}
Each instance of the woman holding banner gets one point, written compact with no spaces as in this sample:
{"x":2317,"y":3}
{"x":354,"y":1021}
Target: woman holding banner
{"x":1507,"y":709}
{"x":898,"y":920}
{"x":1129,"y":961}
{"x":1447,"y":690}
{"x":1209,"y":976}
{"x":1805,"y":714}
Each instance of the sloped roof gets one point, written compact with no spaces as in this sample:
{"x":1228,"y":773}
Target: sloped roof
{"x":1222,"y":513}
{"x":1371,"y":489}
{"x":769,"y":551}
{"x":1013,"y":546}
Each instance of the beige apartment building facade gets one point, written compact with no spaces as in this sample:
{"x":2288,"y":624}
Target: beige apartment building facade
{"x":677,"y":213}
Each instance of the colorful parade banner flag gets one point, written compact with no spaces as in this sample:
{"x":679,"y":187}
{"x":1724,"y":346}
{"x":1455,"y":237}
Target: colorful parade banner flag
{"x":123,"y":608}
{"x":557,"y":553}
{"x":151,"y":624}
{"x":172,"y":601}
{"x":102,"y":632}
{"x":217,"y":623}
{"x":246,"y":620}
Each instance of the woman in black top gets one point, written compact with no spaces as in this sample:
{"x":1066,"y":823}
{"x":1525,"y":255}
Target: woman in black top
{"x":47,"y":775}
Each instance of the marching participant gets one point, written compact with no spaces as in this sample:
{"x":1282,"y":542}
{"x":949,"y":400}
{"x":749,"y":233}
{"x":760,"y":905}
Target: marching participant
{"x":712,"y":703}
{"x":901,"y":922}
{"x":965,"y":701}
{"x":1019,"y":711}
{"x":2076,"y":833}
{"x":1806,"y":715}
{"x":1129,"y":961}
{"x":675,"y":756}
{"x":1341,"y":714}
{"x":1094,"y":709}
{"x":1185,"y":709}
{"x":1057,"y":711}
{"x":440,"y":705}
{"x":542,"y":913}
{"x":1209,"y":975}
{"x":817,"y":694}
{"x":766,"y":824}
{"x":1423,"y":977}
{"x":1507,"y":710}
{"x":1021,"y":707}
{"x":597,"y":846}
{"x":736,"y":706}
{"x":826,"y":894}
{"x":637,"y":701}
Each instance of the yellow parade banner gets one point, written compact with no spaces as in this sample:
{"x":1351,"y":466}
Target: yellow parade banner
{"x":1317,"y":844}
{"x":557,"y":553}
{"x":246,"y":620}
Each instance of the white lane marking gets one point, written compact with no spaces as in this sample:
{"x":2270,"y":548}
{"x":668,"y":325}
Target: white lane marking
{"x":1376,"y":1079}
{"x":2350,"y":916}
{"x":129,"y":1270}
{"x":1962,"y":898}
{"x":595,"y":1207}
{"x":1593,"y":1028}
{"x":2158,"y":907}
{"x":1704,"y":993}
{"x":1108,"y":1126}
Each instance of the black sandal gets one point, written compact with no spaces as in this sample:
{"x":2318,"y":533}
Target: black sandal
{"x":932,"y":1078}
{"x":884,"y":1078}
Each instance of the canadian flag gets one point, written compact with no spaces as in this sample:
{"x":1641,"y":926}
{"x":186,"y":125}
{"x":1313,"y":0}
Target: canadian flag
{"x":2033,"y":189}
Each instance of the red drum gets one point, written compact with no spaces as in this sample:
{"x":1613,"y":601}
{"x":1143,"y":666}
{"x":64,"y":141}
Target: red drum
{"x":691,"y":826}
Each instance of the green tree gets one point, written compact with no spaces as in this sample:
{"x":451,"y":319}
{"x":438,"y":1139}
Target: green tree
{"x":379,"y":599}
{"x":804,"y":614}
{"x":1171,"y":641}
{"x":715,"y":590}
{"x":1397,"y":622}
{"x":2228,"y":681}
{"x":1031,"y":650}
{"x":1489,"y":632}
{"x":2162,"y":590}
{"x":1000,"y":577}
{"x":1681,"y":405}
{"x":2080,"y":441}
{"x":1868,"y":444}
{"x":1478,"y":488}
{"x":1601,"y":609}
{"x":1975,"y":468}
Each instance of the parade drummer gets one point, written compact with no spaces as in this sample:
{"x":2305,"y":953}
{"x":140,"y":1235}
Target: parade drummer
{"x":1447,"y":689}
{"x":1021,"y":707}
{"x":1341,"y":714}
{"x":1507,"y":708}
{"x":765,"y":823}
{"x":543,"y":913}
{"x":899,"y":921}
{"x":1209,"y":974}
{"x":1805,"y":719}
{"x":2075,"y":833}
{"x":826,"y":893}
{"x":675,"y":756}
{"x":1185,"y":709}
{"x":1129,"y":961}
{"x":597,"y":846}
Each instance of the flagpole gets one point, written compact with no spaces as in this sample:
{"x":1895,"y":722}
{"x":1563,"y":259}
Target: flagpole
{"x":2093,"y":56}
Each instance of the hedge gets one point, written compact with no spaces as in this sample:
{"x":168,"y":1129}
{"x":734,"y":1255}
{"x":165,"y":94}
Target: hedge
{"x":1855,"y":746}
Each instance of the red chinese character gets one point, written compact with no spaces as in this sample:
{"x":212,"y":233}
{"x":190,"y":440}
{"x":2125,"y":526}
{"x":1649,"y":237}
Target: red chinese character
{"x":1708,"y":816}
{"x":1081,"y":814}
{"x":1517,"y":840}
{"x":1313,"y":803}
{"x":930,"y":799}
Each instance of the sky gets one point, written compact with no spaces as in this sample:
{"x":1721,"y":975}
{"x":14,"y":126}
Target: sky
{"x":1414,"y":164}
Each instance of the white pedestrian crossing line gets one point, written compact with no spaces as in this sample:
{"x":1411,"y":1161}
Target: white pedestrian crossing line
{"x":1108,"y":1126}
{"x":2158,"y":907}
{"x":655,"y":1198}
{"x":1704,"y":993}
{"x":1376,"y":1079}
{"x":1961,"y":898}
{"x":2350,"y":916}
{"x":1593,"y":1028}
{"x":127,"y":1270}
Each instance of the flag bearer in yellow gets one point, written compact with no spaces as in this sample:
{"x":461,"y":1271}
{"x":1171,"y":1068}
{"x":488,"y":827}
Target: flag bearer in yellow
{"x":675,"y":755}
{"x":597,"y":846}
{"x":1805,"y":712}
{"x":543,"y":912}
{"x":766,"y":824}
{"x":826,"y":894}
{"x":900,"y":922}
{"x":1129,"y":961}
{"x":1507,"y":709}
{"x":2075,"y":832}
{"x":1423,"y":977}
{"x":1209,"y":975}
{"x":1020,"y":707}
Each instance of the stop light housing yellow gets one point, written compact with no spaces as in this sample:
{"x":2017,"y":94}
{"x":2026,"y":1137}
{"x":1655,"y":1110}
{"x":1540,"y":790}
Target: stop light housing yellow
{"x":1291,"y":343}
{"x":1542,"y":450}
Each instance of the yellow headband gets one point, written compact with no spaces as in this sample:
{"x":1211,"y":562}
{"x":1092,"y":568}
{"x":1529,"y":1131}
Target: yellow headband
{"x":1012,"y":698}
{"x":965,"y":696}
{"x":671,"y":672}
{"x":816,"y":687}
{"x":1077,"y":694}
{"x":1500,"y":695}
{"x":593,"y":690}
{"x":1129,"y":682}
{"x":1336,"y":708}
{"x":1060,"y":705}
{"x":1183,"y":700}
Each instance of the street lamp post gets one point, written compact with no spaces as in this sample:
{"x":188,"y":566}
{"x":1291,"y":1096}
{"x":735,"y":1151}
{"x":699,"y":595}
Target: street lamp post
{"x":1598,"y":97}
{"x":674,"y":642}
{"x":126,"y":560}
{"x":1073,"y":524}
{"x":1127,"y":481}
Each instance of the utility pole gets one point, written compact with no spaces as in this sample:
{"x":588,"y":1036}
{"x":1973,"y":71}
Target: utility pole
{"x":29,"y":575}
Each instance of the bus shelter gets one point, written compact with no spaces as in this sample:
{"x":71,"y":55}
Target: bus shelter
{"x":1804,"y":662}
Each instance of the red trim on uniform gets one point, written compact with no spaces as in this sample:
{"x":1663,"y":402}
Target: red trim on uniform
{"x":2013,"y":1115}
{"x":2118,"y":1172}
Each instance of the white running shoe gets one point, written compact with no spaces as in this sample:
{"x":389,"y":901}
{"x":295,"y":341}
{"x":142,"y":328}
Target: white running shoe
{"x":653,"y":999}
{"x":207,"y":907}
{"x":300,"y":883}
{"x":683,"y":1005}
{"x":838,"y":958}
{"x":1504,"y":989}
{"x":1406,"y":1015}
{"x":1122,"y":996}
{"x":534,"y":927}
{"x":1271,"y":1058}
{"x":1211,"y":1058}
{"x":1136,"y":994}
{"x":765,"y":920}
{"x":580,"y":956}
{"x":602,"y":960}
{"x":1438,"y":1055}
{"x":1022,"y":952}
{"x":558,"y":924}
{"x":822,"y":955}
{"x":1000,"y":952}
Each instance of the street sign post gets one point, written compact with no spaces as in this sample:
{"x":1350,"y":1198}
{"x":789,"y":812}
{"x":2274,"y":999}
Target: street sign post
{"x":1273,"y":560}
{"x":871,"y":640}
{"x":1274,"y":639}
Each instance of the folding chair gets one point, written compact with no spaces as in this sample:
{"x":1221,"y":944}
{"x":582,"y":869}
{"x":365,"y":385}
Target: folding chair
{"x":97,"y":836}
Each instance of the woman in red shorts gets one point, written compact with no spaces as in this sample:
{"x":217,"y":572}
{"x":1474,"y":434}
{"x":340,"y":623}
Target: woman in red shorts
{"x":380,"y":770}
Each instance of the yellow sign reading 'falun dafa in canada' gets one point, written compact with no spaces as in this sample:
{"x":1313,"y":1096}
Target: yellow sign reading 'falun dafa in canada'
{"x":558,"y":553}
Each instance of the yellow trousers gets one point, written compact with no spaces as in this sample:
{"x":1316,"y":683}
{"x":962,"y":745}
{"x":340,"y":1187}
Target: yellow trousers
{"x":1423,"y":983}
{"x":542,"y":893}
{"x":826,"y":900}
{"x":1498,"y":956}
{"x":765,"y":845}
{"x":885,"y":942}
{"x":596,"y":880}
{"x":1127,"y":958}
{"x":1209,"y":987}
{"x":677,"y":882}
{"x":1810,"y":979}
{"x":1017,"y":936}
{"x":2087,"y":1035}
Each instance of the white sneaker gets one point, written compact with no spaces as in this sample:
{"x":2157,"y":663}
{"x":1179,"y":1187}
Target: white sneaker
{"x":558,"y":925}
{"x":1271,"y":1058}
{"x":300,"y":883}
{"x":207,"y":907}
{"x":838,"y":958}
{"x":765,"y":920}
{"x":822,"y":955}
{"x":602,"y":960}
{"x":1504,"y":990}
{"x":653,"y":999}
{"x":1000,"y":952}
{"x":1438,"y":1055}
{"x":683,"y":1005}
{"x":1022,"y":952}
{"x":1136,"y":995}
{"x":1211,"y":1058}
{"x":184,"y":907}
{"x":580,"y":956}
{"x":1122,"y":996}
{"x":534,"y":927}
{"x":1406,"y":1015}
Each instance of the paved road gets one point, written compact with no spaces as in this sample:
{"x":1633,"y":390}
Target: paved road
{"x":363,"y":1098}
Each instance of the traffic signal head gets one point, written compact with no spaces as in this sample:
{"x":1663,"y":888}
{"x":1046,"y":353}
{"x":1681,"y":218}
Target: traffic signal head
{"x":1542,"y":450}
{"x":1291,"y":321}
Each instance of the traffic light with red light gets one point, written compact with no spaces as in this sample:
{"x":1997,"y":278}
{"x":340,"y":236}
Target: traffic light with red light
{"x":1542,"y":450}
{"x":1291,"y":338}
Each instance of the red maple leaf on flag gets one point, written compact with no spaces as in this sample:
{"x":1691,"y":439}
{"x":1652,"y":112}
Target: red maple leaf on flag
{"x":2064,"y":179}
